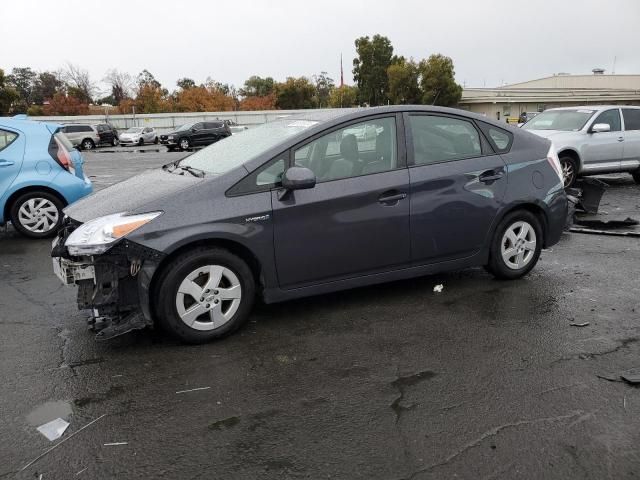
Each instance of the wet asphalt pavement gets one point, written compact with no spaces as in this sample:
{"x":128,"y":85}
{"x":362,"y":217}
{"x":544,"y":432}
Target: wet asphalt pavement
{"x":484,"y":380}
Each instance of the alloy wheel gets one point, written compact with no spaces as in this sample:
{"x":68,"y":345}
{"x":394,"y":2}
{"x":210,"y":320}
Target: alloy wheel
{"x":518,"y":245}
{"x":208,"y":297}
{"x":38,"y":215}
{"x":568,"y":173}
{"x":184,"y":144}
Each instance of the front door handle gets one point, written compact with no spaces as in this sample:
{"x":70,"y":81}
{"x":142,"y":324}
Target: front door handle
{"x":6,"y":163}
{"x":491,"y":176}
{"x":621,"y":139}
{"x":391,"y":197}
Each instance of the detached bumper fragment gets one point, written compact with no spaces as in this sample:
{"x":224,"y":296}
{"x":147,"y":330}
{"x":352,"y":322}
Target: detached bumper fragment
{"x":113,"y":286}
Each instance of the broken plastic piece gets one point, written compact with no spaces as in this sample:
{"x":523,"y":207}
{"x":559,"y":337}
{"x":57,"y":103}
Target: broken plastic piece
{"x":113,"y":444}
{"x":54,"y":429}
{"x":193,"y":390}
{"x":579,"y":324}
{"x":631,"y":376}
{"x":438,"y":288}
{"x":608,"y":224}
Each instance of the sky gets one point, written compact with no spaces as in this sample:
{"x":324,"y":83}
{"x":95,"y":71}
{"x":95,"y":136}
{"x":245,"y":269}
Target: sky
{"x":491,"y":42}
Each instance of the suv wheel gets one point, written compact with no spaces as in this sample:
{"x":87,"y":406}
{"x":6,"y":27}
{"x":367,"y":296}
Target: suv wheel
{"x":88,"y":144}
{"x":569,"y":171}
{"x":636,"y":177}
{"x":184,"y":144}
{"x":516,"y":245}
{"x":36,"y":214}
{"x":204,"y":294}
{"x":114,"y":142}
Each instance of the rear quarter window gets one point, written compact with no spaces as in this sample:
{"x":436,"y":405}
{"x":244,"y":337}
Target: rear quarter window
{"x":6,"y":138}
{"x":631,"y":118}
{"x":499,"y":138}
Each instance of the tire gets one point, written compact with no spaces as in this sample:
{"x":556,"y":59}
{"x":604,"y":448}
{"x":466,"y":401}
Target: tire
{"x":87,"y":144}
{"x":184,"y":144}
{"x":502,"y":264}
{"x":140,"y":142}
{"x":191,"y":272}
{"x":114,"y":142}
{"x":156,"y":140}
{"x":569,"y":171}
{"x":31,"y":209}
{"x":636,"y":177}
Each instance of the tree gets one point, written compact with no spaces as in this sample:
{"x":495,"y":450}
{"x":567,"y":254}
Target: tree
{"x":185,"y":83}
{"x":80,"y":81}
{"x":146,"y":78}
{"x":62,"y":104}
{"x":370,"y":68}
{"x":257,"y":86}
{"x":47,"y":85}
{"x":266,"y":102}
{"x":121,"y":84}
{"x":403,"y":76}
{"x":8,"y":95}
{"x":23,"y":81}
{"x":438,"y":82}
{"x":151,"y":97}
{"x":344,"y":96}
{"x":295,"y":93}
{"x":209,"y":98}
{"x":324,"y":85}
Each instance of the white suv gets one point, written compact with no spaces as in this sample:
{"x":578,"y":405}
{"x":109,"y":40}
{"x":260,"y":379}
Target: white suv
{"x":82,"y":136}
{"x":592,"y":140}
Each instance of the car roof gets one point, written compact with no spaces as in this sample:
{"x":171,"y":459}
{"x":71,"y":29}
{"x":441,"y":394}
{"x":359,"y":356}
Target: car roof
{"x":595,"y":108}
{"x":26,"y":125}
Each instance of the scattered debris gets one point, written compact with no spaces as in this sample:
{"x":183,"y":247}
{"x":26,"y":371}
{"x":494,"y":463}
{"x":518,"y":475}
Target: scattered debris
{"x":438,"y":288}
{"x":605,"y":232}
{"x":113,"y":444}
{"x":225,"y":423}
{"x":579,"y":324}
{"x":54,"y":429}
{"x":193,"y":390}
{"x":81,"y":471}
{"x":61,"y":442}
{"x":608,"y":224}
{"x":631,"y":376}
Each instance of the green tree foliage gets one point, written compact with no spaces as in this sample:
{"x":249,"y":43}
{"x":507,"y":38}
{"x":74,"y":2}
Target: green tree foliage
{"x":370,"y":68}
{"x":295,"y":93}
{"x":8,"y":95}
{"x":23,"y":80}
{"x":323,"y":84}
{"x":256,"y":86}
{"x":404,"y":88}
{"x":438,"y":81}
{"x":345,"y":96}
{"x":47,"y":85}
{"x":185,"y":83}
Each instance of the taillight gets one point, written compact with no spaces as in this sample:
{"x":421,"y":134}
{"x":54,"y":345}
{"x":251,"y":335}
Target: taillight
{"x":554,"y":161}
{"x":60,"y":154}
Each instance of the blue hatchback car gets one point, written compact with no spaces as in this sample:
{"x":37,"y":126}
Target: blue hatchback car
{"x":40,"y":174}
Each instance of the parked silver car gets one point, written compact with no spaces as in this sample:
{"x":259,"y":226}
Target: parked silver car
{"x":592,"y":140}
{"x":138,"y":136}
{"x":82,"y":136}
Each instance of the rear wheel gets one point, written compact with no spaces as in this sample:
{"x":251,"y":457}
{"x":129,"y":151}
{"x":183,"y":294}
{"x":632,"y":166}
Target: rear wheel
{"x":636,"y":177}
{"x":88,"y":144}
{"x":516,"y":245}
{"x":114,"y":142}
{"x":569,"y":171}
{"x":36,"y":214}
{"x":205,"y":294}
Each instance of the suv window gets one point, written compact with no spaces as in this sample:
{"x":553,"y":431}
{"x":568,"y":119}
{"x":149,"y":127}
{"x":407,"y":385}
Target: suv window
{"x":210,"y":125}
{"x":612,"y":117}
{"x":441,"y":139}
{"x":198,"y":126}
{"x":6,"y":138}
{"x":631,"y":118}
{"x":359,"y":149}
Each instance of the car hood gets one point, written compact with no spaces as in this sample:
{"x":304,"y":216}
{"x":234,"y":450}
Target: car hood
{"x":145,"y":192}
{"x":554,"y":134}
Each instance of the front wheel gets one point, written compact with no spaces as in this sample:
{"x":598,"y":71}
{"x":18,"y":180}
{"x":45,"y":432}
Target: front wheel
{"x":36,"y":214}
{"x":516,"y":245}
{"x":87,"y":144}
{"x":204,"y":294}
{"x":569,"y":171}
{"x":636,"y":177}
{"x":156,"y":140}
{"x":184,"y":144}
{"x":114,"y":142}
{"x":140,"y":142}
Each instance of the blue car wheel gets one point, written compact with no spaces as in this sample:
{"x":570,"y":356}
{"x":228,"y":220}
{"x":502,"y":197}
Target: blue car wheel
{"x":37,"y":214}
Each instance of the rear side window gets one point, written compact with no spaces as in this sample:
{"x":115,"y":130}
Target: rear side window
{"x":441,"y":139}
{"x":631,"y":118}
{"x":6,"y":138}
{"x":499,"y":139}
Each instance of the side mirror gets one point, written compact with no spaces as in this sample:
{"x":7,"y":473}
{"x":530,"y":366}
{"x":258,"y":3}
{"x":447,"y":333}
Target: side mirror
{"x":601,"y":127}
{"x":193,"y":130}
{"x":298,"y":178}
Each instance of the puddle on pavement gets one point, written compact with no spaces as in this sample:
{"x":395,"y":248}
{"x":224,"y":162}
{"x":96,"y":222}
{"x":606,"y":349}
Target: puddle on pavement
{"x":49,"y":411}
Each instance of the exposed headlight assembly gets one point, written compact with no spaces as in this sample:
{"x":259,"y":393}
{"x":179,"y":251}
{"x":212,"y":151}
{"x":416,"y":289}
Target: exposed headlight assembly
{"x":99,"y":235}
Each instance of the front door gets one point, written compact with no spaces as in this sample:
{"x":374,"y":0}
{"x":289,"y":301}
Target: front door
{"x":603,"y":151}
{"x":11,"y":154}
{"x":355,"y":221}
{"x":457,"y":186}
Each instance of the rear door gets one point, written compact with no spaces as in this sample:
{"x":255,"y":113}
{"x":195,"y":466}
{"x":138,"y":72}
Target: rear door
{"x":457,"y":186}
{"x":198,"y":134}
{"x":355,"y":221}
{"x":603,"y":151}
{"x":631,"y":148}
{"x":11,"y":154}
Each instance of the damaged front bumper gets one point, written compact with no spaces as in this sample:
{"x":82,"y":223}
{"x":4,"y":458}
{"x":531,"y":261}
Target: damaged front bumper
{"x":113,"y":286}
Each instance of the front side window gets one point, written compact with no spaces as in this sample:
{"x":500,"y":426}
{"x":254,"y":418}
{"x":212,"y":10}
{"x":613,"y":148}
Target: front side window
{"x":6,"y":138}
{"x":442,"y":139}
{"x":611,"y":118}
{"x":359,"y":149}
{"x":564,"y":120}
{"x":631,"y":118}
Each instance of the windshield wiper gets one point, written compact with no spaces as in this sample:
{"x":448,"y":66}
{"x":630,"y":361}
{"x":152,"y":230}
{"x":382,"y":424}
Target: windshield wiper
{"x":196,"y":172}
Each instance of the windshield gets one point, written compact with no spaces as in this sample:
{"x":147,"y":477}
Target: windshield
{"x":184,"y":127}
{"x":134,"y":130}
{"x":236,"y":150}
{"x":565,"y":120}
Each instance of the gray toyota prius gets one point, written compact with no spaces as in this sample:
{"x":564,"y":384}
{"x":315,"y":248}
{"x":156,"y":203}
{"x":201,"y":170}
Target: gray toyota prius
{"x":309,"y":204}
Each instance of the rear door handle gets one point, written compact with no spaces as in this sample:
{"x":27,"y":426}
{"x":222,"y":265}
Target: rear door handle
{"x":6,"y":163}
{"x":491,"y":176}
{"x":391,"y":197}
{"x":621,"y":139}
